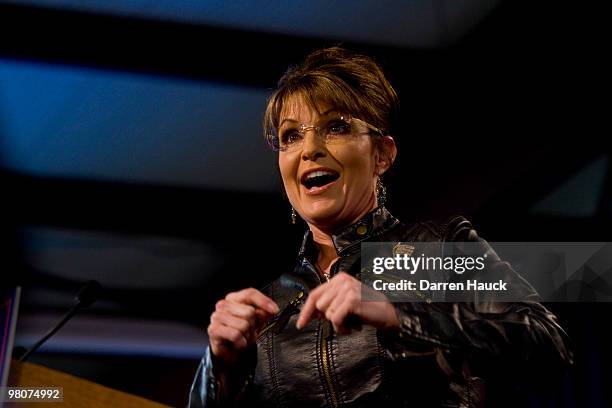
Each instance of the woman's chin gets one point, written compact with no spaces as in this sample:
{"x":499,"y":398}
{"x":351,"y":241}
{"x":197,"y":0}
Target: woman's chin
{"x":323,"y":213}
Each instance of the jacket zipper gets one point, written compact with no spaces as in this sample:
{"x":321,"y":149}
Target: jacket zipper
{"x":325,"y":348}
{"x":326,"y":363}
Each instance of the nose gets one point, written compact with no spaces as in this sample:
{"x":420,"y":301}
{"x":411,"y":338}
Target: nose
{"x":314,"y":146}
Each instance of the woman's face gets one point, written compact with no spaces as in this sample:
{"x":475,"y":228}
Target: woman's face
{"x":347,"y":191}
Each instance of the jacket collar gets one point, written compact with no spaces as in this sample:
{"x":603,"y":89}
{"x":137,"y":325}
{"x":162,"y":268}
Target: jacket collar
{"x":373,"y":223}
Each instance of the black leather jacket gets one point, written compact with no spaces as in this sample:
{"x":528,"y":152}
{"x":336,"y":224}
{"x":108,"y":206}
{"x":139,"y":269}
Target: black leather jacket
{"x":443,"y":355}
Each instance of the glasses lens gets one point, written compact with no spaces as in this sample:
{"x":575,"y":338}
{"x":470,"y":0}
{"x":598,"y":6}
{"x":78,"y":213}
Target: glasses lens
{"x":290,"y":139}
{"x":337,"y":130}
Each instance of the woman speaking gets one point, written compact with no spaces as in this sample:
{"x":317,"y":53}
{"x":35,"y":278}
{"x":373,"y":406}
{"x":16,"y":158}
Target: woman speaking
{"x":307,"y":339}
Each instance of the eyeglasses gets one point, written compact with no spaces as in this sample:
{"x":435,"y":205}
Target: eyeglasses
{"x":338,"y":130}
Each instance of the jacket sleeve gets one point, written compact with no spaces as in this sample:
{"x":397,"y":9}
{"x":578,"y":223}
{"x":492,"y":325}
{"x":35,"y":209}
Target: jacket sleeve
{"x":490,"y":335}
{"x":210,"y":390}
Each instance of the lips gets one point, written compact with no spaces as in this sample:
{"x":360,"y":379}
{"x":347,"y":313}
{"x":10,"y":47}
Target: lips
{"x":319,"y":178}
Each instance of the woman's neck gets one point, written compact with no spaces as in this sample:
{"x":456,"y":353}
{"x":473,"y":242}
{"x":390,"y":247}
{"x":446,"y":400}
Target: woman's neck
{"x":327,"y":251}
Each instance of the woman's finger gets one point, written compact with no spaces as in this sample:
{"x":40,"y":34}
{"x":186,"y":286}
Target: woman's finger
{"x":347,"y":315}
{"x":326,"y":299}
{"x":221,"y":333}
{"x":239,"y":310}
{"x":309,"y":308}
{"x":338,"y":314}
{"x":246,"y":327}
{"x":254,"y":298}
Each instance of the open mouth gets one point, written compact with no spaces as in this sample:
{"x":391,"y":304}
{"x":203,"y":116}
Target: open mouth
{"x":319,"y":178}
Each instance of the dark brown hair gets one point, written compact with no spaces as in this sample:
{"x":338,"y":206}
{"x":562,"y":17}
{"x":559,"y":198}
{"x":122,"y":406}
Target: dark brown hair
{"x":350,"y":82}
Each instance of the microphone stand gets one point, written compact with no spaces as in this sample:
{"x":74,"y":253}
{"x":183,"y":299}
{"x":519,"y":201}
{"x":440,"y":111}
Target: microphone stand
{"x":86,"y":296}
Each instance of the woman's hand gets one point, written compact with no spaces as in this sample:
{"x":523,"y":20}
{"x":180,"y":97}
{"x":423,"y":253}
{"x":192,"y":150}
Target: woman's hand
{"x":234,"y":323}
{"x":339,"y":300}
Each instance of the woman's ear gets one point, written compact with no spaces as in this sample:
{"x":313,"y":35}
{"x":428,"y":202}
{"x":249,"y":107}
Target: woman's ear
{"x":387,"y":151}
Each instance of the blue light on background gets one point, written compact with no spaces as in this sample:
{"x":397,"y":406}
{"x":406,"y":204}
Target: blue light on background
{"x":87,"y":123}
{"x":414,"y":23}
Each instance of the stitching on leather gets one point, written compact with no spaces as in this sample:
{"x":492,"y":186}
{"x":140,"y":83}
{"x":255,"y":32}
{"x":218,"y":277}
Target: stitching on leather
{"x":416,"y":335}
{"x":430,"y":228}
{"x":272,"y":368}
{"x":381,"y":357}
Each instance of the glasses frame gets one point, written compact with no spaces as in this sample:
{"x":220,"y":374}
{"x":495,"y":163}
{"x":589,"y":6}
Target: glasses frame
{"x":273,"y":138}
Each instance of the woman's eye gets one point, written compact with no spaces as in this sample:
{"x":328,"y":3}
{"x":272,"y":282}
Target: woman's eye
{"x":339,"y":128}
{"x":290,"y":137}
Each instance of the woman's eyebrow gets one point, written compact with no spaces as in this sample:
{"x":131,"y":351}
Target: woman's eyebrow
{"x":295,"y":121}
{"x":287,"y":120}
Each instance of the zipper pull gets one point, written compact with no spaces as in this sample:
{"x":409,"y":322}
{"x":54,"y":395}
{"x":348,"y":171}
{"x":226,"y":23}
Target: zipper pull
{"x":292,"y":308}
{"x":280,"y":320}
{"x":327,"y":329}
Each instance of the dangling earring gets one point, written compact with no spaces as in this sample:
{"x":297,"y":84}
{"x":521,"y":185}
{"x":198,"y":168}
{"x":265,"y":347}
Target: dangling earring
{"x":381,"y":192}
{"x":293,"y":215}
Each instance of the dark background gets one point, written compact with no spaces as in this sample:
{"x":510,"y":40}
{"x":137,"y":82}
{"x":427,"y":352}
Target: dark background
{"x":132,"y":154}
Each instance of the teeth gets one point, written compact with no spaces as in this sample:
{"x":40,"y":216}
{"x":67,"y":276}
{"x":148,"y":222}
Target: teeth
{"x":319,"y":173}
